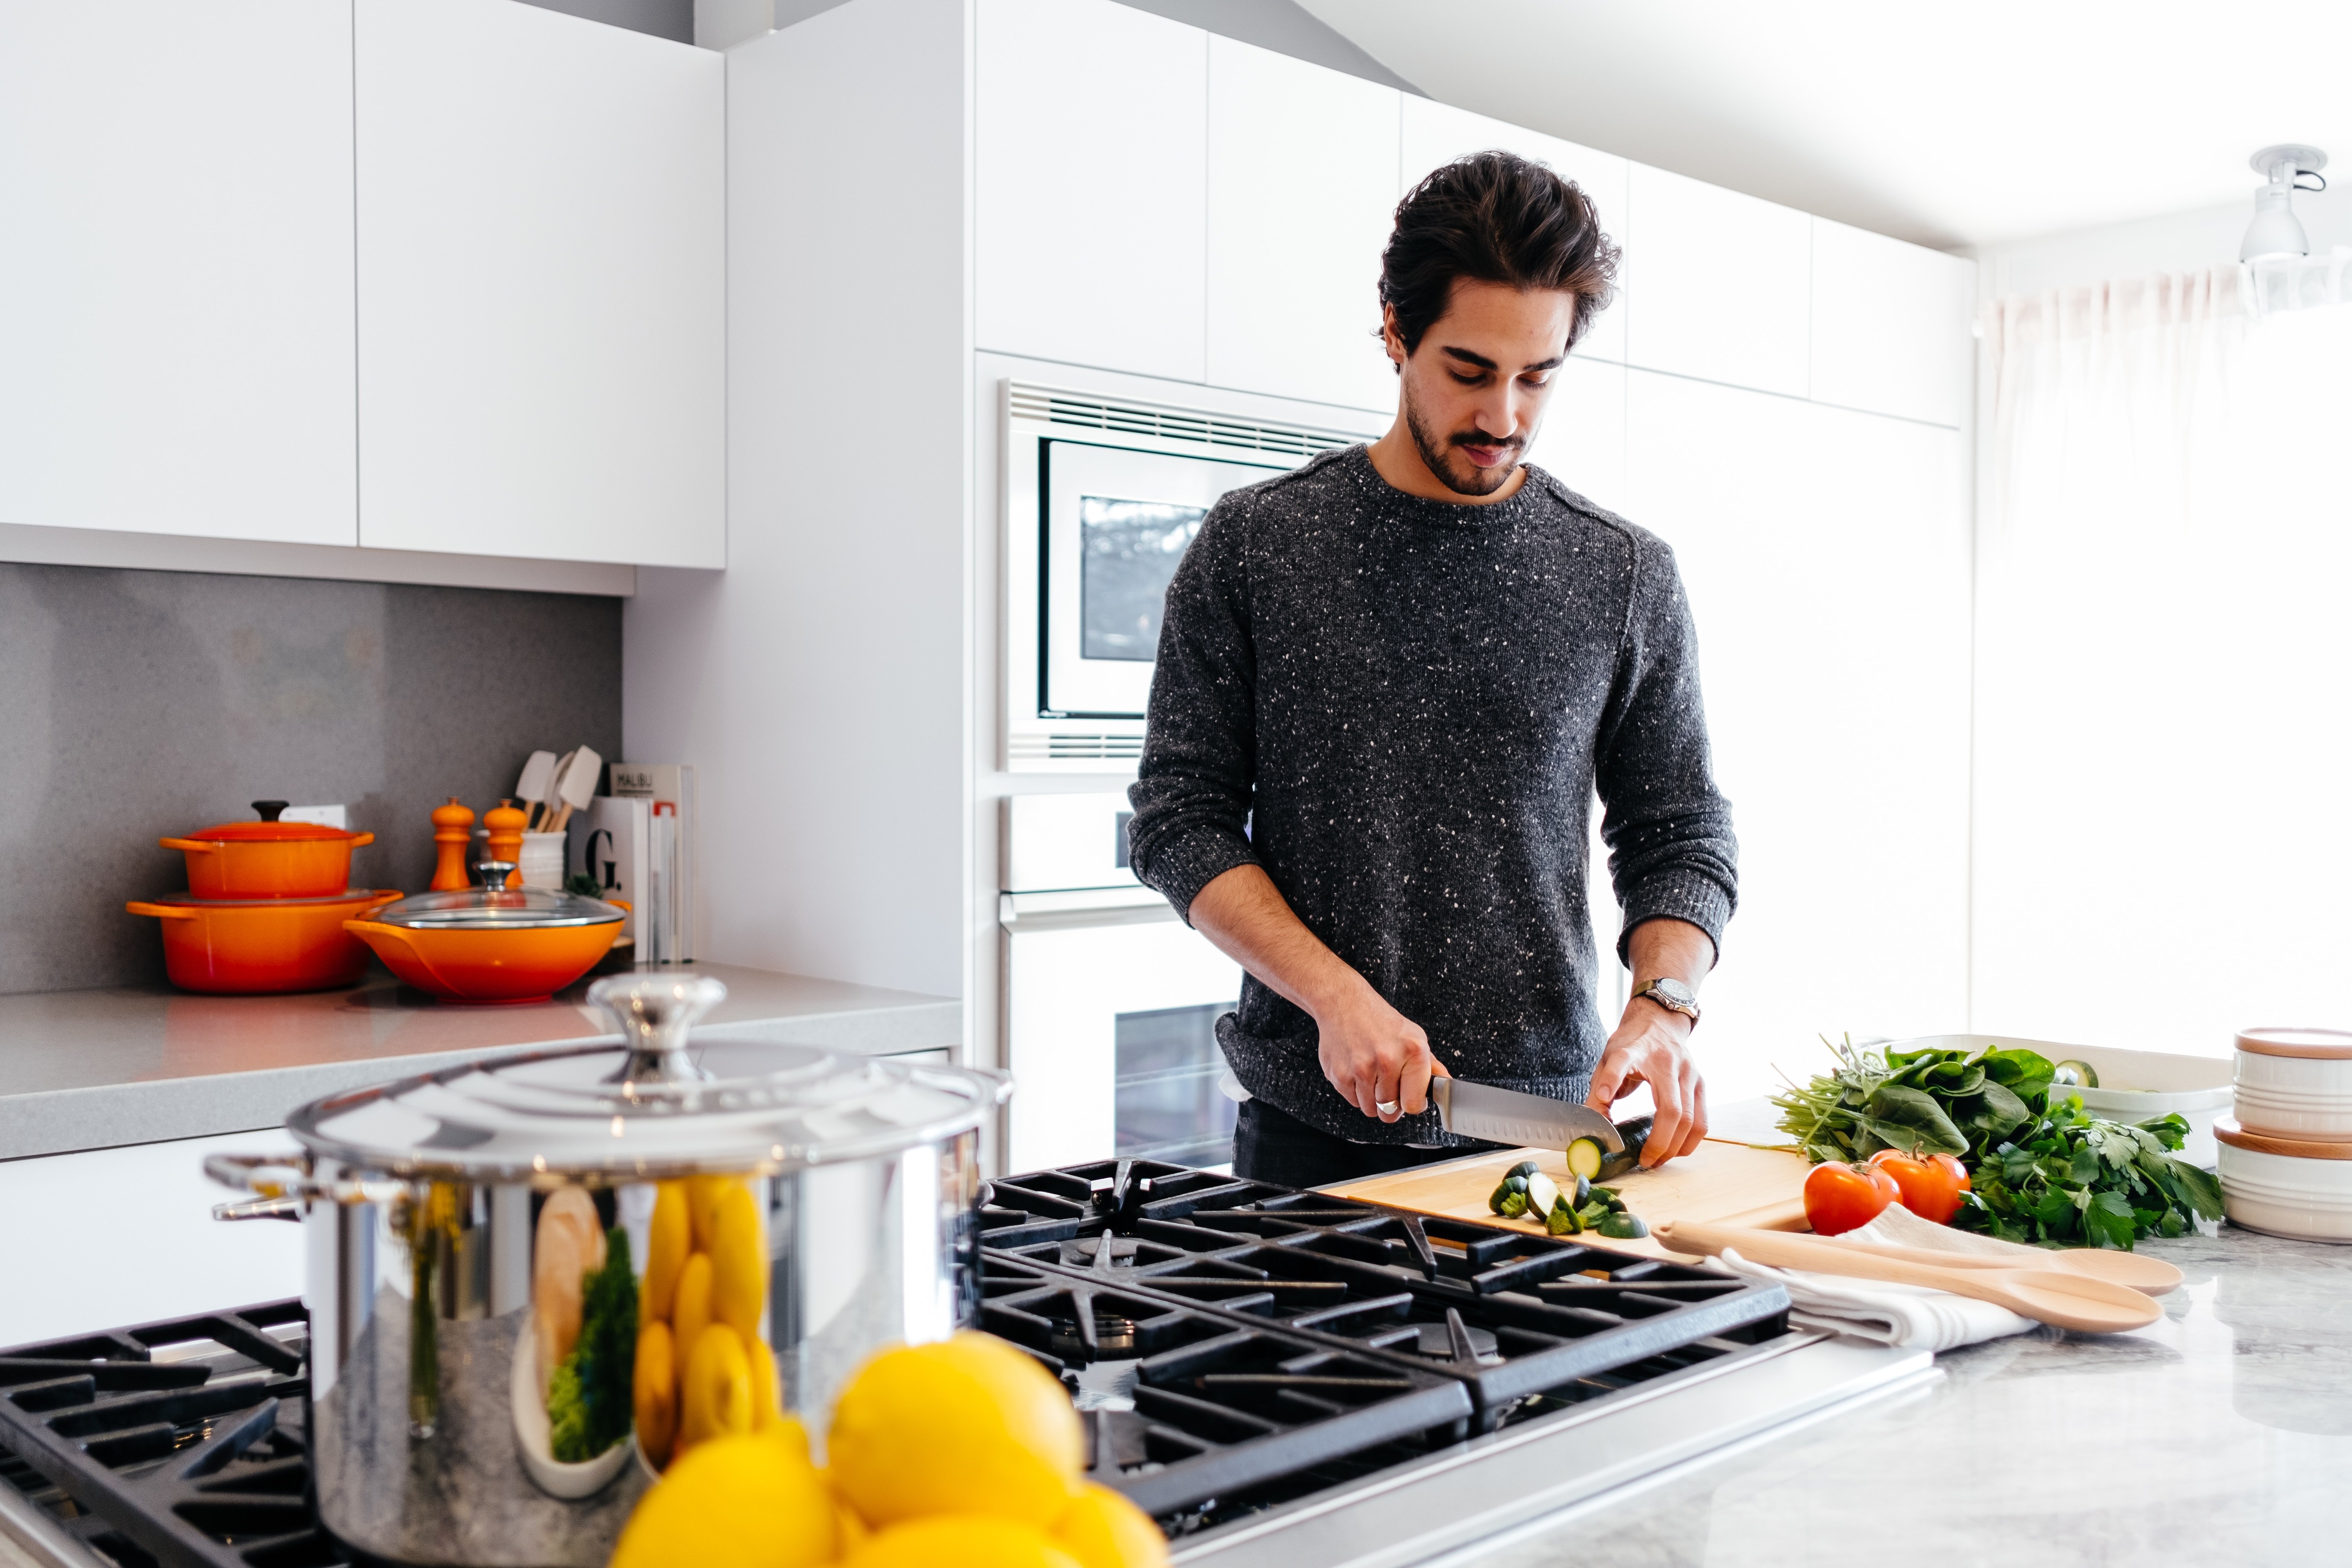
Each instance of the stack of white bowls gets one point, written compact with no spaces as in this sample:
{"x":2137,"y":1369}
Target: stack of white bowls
{"x":2286,"y":1156}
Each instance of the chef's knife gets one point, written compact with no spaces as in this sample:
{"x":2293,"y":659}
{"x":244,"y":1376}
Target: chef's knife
{"x":1506,"y":1116}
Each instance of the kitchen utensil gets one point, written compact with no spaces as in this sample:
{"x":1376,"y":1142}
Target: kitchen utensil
{"x":491,"y":943}
{"x":532,"y":788}
{"x":2281,"y":1194}
{"x":2056,"y":1296}
{"x":2148,"y":1276}
{"x":575,"y":785}
{"x":1508,"y":1116}
{"x":2295,"y":1084}
{"x":253,"y":946}
{"x":505,"y":824}
{"x":452,"y":829}
{"x":543,"y":861}
{"x":268,"y":858}
{"x":425,"y":1207}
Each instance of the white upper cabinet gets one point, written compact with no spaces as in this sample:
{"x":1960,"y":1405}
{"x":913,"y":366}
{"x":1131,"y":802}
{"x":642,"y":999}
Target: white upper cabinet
{"x":1890,"y":325}
{"x":1092,"y":204}
{"x":1435,"y":133}
{"x":542,"y":286}
{"x":1717,"y":285}
{"x":1302,"y":189}
{"x":1582,"y":438}
{"x":175,"y":277}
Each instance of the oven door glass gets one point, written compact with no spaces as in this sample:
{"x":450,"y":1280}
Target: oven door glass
{"x":1117,"y":523}
{"x":1167,"y":1102}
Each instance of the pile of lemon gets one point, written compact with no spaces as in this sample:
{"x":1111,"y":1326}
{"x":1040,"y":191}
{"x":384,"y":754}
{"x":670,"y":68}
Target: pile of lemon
{"x":702,"y":1369}
{"x":965,"y":1452}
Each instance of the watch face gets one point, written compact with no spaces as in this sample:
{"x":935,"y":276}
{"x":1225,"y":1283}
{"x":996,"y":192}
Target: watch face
{"x":1673,"y":990}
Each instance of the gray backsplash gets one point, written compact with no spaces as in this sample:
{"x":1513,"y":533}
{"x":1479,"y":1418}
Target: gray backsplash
{"x":139,"y":704}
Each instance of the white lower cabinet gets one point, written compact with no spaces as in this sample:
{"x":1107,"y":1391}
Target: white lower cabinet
{"x":116,"y":1236}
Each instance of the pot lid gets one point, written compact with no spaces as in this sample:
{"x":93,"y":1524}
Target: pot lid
{"x":2228,"y":1131}
{"x":348,"y":896}
{"x":2328,"y":1045}
{"x":655,"y":1106}
{"x":268,"y":829}
{"x":489,"y":906}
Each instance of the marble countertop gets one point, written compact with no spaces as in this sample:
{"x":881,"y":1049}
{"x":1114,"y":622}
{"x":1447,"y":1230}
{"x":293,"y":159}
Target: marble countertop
{"x":88,"y":1069}
{"x":2219,"y":1434}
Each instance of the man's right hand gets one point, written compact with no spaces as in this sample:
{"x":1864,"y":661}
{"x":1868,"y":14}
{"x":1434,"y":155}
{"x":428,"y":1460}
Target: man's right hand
{"x":1373,"y":1053}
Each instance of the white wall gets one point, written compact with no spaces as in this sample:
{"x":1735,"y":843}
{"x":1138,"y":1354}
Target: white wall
{"x":2173,"y":242}
{"x":829,"y":714}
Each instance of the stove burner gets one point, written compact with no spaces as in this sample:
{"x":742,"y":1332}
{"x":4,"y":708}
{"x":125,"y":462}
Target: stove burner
{"x":1451,"y":1341}
{"x":1114,"y":1336}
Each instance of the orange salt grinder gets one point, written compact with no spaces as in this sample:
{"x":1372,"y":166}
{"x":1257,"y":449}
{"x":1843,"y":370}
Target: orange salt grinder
{"x":506,"y":824}
{"x":452,"y":826}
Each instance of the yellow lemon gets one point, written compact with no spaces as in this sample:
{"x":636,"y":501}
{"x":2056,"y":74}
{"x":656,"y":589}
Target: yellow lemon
{"x":767,"y":1414}
{"x":969,"y":1425}
{"x":691,"y":1309}
{"x":851,"y":1527}
{"x":734,"y":1502}
{"x":703,"y":1194}
{"x":738,"y":1261}
{"x":964,"y":1540}
{"x":666,"y":1246}
{"x":717,"y":1398}
{"x":654,"y":1392}
{"x":1103,"y":1530}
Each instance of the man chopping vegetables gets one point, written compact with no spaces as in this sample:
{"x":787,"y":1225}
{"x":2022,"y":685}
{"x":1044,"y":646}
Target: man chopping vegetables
{"x":1389,"y":684}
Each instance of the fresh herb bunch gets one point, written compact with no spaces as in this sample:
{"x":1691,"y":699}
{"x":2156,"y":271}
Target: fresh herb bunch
{"x":588,"y":1396}
{"x":2039,"y":1172}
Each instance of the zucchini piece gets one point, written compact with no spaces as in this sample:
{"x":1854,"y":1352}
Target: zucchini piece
{"x":1517,"y":1183}
{"x":1609,"y":1195}
{"x":1581,"y":1196}
{"x":2072,"y":1074}
{"x":1542,"y":1193}
{"x":1563,"y":1220}
{"x":1636,"y":1133}
{"x":1524,"y":1168}
{"x":1624,"y":1227}
{"x":1515,"y":1205}
{"x":1494,"y":1199}
{"x":1592,"y":1215}
{"x":1585,"y":1158}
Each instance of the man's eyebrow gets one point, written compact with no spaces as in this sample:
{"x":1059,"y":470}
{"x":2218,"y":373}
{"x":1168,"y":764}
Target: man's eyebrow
{"x":1483,"y":363}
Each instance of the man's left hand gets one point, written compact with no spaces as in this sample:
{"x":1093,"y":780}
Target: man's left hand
{"x":1651,"y":1046}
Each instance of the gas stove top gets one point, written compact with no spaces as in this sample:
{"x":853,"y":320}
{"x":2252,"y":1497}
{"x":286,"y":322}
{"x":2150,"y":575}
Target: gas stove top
{"x":1280,"y":1378}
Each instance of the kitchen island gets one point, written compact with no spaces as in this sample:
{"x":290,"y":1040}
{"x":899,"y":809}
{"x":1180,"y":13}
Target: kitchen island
{"x":2219,"y":1434}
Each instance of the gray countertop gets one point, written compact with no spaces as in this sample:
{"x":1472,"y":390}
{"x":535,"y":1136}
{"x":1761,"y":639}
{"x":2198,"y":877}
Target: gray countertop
{"x":2219,"y":1434}
{"x":89,"y":1069}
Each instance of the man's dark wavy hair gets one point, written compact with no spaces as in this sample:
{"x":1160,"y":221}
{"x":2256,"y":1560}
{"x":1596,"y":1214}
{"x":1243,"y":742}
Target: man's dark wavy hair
{"x":1498,"y":219}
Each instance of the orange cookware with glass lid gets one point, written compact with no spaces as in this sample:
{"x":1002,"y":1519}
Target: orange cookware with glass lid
{"x":491,"y":943}
{"x":268,"y":858}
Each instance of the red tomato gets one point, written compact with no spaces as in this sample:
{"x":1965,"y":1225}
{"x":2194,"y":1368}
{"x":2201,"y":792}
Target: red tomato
{"x":1931,"y":1184}
{"x":1840,"y":1197}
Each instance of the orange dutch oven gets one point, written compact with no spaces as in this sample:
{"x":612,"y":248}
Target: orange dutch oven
{"x":268,"y":858}
{"x":262,"y":944}
{"x":491,"y":943}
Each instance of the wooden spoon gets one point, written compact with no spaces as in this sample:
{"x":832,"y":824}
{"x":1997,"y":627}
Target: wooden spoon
{"x":2056,"y":1296}
{"x":2148,"y":1276}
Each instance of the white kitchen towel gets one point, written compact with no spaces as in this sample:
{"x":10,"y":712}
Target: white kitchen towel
{"x":1912,"y":1317}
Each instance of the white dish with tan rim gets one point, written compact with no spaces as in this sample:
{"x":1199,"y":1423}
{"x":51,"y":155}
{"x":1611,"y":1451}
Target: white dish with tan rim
{"x":2289,"y":1187}
{"x":2295,"y":1083}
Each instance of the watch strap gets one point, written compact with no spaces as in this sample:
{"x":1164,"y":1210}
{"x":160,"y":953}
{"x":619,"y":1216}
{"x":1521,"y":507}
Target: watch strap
{"x":1671,"y":1003}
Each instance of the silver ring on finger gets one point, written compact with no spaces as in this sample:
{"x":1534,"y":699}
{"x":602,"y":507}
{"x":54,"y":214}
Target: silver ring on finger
{"x":1385,"y":1107}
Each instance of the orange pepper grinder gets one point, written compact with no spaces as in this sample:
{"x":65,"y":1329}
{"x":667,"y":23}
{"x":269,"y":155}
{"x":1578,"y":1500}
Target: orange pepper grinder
{"x":452,"y":829}
{"x":506,"y":824}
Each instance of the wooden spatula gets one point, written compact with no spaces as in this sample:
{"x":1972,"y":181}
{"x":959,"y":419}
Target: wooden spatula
{"x":2054,"y":1296}
{"x":2148,"y":1276}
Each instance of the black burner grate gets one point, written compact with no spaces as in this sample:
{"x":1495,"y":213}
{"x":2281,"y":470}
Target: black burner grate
{"x":176,"y":1444}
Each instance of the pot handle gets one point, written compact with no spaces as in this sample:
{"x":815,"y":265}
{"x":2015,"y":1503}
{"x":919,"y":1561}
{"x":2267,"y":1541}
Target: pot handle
{"x":161,"y":912}
{"x":192,"y":846}
{"x":376,"y":931}
{"x":260,"y":1208}
{"x":359,"y":839}
{"x":283,"y":1184}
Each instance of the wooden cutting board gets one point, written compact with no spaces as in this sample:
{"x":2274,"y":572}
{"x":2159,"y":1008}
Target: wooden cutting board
{"x":1759,"y":1187}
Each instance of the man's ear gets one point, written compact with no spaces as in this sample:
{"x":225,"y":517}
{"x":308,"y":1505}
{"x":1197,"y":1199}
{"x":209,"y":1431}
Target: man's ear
{"x":1389,"y":339}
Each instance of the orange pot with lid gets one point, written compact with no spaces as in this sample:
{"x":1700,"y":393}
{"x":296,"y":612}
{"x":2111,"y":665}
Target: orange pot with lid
{"x":268,"y":858}
{"x":491,"y":943}
{"x":258,"y":945}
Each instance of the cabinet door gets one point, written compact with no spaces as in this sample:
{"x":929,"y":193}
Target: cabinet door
{"x":1890,"y":325}
{"x":542,"y":286}
{"x":1717,"y":285}
{"x":176,"y":283}
{"x":1092,"y":186}
{"x":1302,"y":191}
{"x":1435,"y":133}
{"x":1826,"y":554}
{"x":1582,"y":439}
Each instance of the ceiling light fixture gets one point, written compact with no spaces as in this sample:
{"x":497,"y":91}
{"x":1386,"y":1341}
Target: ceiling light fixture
{"x":2275,"y":231}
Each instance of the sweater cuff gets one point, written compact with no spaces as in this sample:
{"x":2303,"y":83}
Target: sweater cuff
{"x":1191,"y":857}
{"x":1677,"y":895}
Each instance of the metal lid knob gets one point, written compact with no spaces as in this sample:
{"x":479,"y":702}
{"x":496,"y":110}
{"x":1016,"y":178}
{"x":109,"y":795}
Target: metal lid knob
{"x":654,"y":1014}
{"x":490,"y":873}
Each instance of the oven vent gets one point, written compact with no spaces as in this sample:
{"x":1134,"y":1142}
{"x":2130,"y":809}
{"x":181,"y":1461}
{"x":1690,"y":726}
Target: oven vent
{"x":1051,"y":406}
{"x":1073,"y":746}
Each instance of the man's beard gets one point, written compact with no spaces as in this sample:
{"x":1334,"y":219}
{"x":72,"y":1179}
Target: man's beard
{"x":1455,"y":471}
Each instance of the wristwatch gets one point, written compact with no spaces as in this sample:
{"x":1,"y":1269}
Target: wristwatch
{"x":1672,"y":995}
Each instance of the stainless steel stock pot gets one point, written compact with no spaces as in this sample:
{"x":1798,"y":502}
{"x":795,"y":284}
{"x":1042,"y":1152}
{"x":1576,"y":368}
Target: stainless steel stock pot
{"x":502,"y":1256}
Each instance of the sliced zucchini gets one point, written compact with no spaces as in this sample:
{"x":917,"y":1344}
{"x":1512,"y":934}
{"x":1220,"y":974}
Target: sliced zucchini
{"x":1585,"y":1158}
{"x":1542,"y":1192}
{"x":1592,"y":1215}
{"x":1609,"y":1195}
{"x":1582,"y":1194}
{"x":1514,"y":1205}
{"x":1524,"y":1168}
{"x":2072,"y":1074}
{"x":1494,"y":1199}
{"x":1622,"y":1227}
{"x":1563,"y":1220}
{"x":1636,"y":1133}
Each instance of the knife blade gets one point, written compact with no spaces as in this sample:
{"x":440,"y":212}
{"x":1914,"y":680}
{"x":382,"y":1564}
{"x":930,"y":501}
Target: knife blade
{"x":1506,"y":1116}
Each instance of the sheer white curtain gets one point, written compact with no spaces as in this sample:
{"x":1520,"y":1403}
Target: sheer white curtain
{"x":2162,"y":851}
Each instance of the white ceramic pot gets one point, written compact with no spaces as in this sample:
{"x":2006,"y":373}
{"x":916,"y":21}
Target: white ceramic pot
{"x":2295,"y":1083}
{"x":541,"y":864}
{"x":2279,"y":1194}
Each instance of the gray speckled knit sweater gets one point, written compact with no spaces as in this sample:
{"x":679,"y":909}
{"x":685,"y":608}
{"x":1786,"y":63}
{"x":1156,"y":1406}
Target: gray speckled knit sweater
{"x":1401,"y":709}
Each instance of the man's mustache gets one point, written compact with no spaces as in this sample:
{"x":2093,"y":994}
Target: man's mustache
{"x":1476,"y":438}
